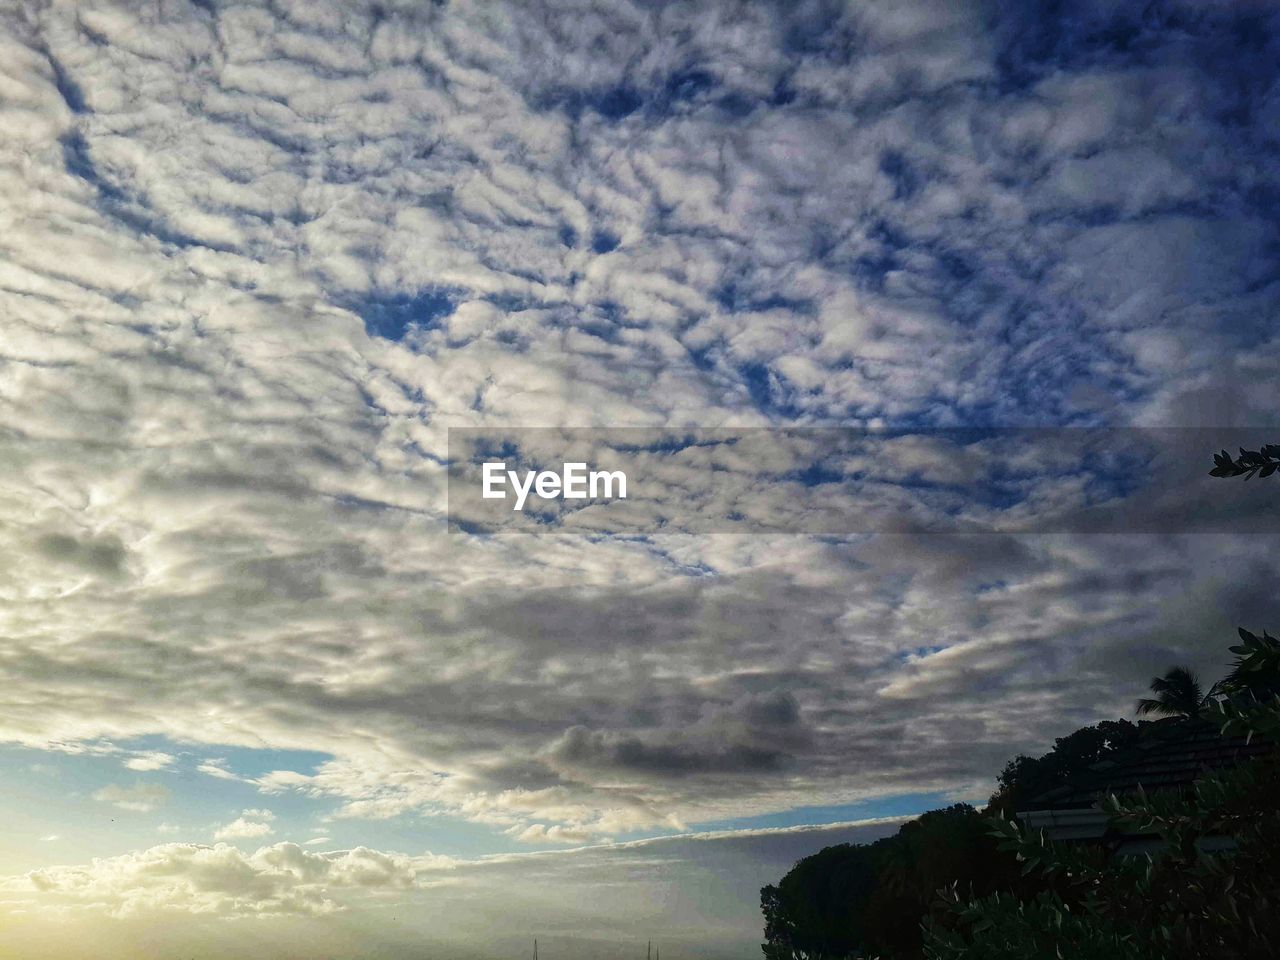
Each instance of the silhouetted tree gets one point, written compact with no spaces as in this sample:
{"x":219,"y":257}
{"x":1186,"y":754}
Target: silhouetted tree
{"x":870,"y":901}
{"x":1023,"y":777}
{"x":819,"y":908}
{"x":1191,"y":901}
{"x":1177,"y":694}
{"x":1256,"y":670}
{"x":867,"y":900}
{"x":1263,"y":462}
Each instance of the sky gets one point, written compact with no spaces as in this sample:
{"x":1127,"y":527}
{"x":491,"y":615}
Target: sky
{"x":259,"y":697}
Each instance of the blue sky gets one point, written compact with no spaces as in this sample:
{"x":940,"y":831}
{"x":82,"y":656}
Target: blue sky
{"x":258,"y":261}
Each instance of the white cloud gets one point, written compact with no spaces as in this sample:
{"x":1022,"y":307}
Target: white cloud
{"x":284,"y":879}
{"x":251,"y":823}
{"x":140,"y":797}
{"x":216,"y":768}
{"x":219,"y":880}
{"x":150,"y":760}
{"x":223,"y":497}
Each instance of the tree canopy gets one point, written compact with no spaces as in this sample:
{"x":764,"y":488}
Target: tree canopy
{"x":955,"y":884}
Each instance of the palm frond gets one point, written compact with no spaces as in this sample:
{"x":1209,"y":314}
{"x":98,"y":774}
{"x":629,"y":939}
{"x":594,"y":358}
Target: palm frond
{"x":1148,"y":706}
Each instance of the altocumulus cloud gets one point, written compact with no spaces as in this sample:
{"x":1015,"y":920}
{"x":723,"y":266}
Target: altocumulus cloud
{"x":257,"y":260}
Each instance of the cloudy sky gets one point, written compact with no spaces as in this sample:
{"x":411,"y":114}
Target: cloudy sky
{"x":258,"y":698}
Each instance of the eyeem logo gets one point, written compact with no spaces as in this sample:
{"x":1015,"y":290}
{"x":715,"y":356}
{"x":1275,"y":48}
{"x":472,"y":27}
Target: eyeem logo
{"x":573,"y":482}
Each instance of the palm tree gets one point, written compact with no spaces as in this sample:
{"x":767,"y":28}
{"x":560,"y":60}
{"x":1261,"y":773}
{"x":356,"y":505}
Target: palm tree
{"x":1177,"y":694}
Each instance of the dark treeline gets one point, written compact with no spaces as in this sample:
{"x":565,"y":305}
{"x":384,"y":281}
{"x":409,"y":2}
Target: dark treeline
{"x":959,"y":884}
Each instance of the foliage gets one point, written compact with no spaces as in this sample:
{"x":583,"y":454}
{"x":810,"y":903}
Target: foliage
{"x":1256,"y":670}
{"x":1177,"y":694}
{"x":1023,"y":777}
{"x":857,"y":900}
{"x":1187,"y":902}
{"x":1012,"y":894}
{"x":818,"y":909}
{"x":1263,"y":462}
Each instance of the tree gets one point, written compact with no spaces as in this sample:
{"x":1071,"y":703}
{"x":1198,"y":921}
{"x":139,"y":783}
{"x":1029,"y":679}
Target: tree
{"x":819,"y":908}
{"x":1191,"y":901}
{"x":1256,"y":670}
{"x":1263,"y":462}
{"x":1023,"y":777}
{"x":1079,"y":903}
{"x":1177,"y":694}
{"x":860,"y":901}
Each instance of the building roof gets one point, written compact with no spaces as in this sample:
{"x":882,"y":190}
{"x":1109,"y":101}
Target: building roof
{"x":1169,"y":754}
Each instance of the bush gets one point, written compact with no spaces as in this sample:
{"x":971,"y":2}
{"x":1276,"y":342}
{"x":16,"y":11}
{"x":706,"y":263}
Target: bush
{"x":1187,"y":902}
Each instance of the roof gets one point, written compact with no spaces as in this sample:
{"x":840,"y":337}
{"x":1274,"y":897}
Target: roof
{"x":1170,"y":754}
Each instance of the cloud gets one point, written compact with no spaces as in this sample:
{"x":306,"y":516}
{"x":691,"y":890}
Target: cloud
{"x":541,"y":833}
{"x":251,"y":823}
{"x":140,"y":797}
{"x":283,"y":879}
{"x":150,"y":760}
{"x":220,"y":880}
{"x":240,"y":321}
{"x":216,"y":768}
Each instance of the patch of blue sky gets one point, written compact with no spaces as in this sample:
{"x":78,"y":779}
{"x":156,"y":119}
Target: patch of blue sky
{"x":704,"y":358}
{"x":769,"y":391}
{"x":1035,"y":44}
{"x":77,"y":159}
{"x":51,"y":794}
{"x":616,"y":102}
{"x":820,"y":473}
{"x":903,"y":805}
{"x":902,"y":173}
{"x":673,"y":443}
{"x":68,"y":89}
{"x":918,"y":653}
{"x":689,"y":86}
{"x":392,"y":316}
{"x":818,"y":28}
{"x":604,"y":242}
{"x":737,"y":297}
{"x":250,"y":763}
